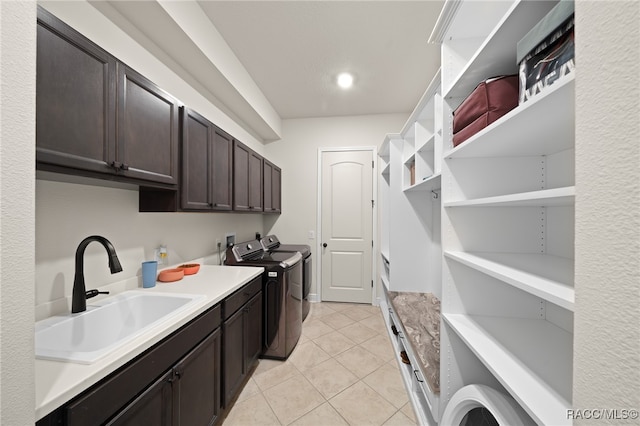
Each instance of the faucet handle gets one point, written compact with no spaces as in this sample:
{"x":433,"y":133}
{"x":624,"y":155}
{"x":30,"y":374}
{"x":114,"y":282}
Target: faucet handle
{"x":93,"y":293}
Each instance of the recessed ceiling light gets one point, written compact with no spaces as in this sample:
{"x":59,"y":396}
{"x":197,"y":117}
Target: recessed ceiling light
{"x":345,"y":80}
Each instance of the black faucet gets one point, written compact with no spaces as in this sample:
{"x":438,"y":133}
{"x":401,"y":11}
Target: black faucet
{"x":80,"y":295}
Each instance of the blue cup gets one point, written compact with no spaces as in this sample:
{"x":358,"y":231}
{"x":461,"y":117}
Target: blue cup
{"x":149,"y":273}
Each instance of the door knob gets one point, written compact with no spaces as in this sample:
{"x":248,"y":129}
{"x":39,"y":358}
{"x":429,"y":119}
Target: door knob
{"x":324,"y":245}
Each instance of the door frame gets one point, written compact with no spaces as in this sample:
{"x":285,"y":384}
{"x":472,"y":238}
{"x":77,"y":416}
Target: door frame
{"x":318,"y":249}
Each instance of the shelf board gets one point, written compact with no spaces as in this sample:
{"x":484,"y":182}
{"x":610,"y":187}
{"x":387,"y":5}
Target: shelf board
{"x":385,"y":255}
{"x":427,"y":96}
{"x":543,"y":198}
{"x":385,"y":282}
{"x":542,"y":126}
{"x":385,"y":170}
{"x":411,"y":159}
{"x":545,"y":276}
{"x":383,"y":152}
{"x":497,"y":55}
{"x":531,"y":358}
{"x":428,"y":145}
{"x":430,"y":184}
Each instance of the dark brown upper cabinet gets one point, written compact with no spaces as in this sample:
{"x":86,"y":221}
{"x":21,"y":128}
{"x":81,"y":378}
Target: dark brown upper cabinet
{"x":207,"y":154}
{"x":272,"y":187}
{"x":147,"y":142}
{"x":247,"y":179}
{"x":75,"y":99}
{"x":97,"y":117}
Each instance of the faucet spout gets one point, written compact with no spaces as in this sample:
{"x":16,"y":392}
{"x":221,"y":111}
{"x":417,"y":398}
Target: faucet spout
{"x":79,"y":299}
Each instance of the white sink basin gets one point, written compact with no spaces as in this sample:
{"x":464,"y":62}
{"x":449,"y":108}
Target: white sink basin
{"x":107,"y":325}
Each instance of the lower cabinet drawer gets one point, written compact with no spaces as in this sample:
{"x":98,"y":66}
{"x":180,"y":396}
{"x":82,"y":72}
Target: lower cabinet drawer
{"x":240,"y":297}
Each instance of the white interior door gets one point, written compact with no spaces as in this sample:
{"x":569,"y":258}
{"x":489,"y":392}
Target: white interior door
{"x":347,"y":226}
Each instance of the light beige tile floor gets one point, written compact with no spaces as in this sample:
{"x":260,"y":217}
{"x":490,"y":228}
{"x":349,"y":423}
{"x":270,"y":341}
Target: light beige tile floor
{"x":342,"y":372}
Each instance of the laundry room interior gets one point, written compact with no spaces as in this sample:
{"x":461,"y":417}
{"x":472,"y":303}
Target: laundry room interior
{"x":320,"y":212}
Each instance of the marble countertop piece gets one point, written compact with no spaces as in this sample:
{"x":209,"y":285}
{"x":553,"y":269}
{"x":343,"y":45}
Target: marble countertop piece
{"x":419,"y":314}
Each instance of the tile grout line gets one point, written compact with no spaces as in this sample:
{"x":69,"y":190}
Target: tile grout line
{"x":332,"y":356}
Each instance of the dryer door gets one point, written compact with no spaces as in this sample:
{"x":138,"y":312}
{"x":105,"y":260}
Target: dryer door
{"x":480,"y":405}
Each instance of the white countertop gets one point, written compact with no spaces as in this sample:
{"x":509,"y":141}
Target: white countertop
{"x":57,"y":382}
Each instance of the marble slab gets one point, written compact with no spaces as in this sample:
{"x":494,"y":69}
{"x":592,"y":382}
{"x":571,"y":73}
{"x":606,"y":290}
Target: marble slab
{"x":419,"y":314}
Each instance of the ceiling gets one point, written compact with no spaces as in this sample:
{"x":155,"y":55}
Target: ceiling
{"x":294,"y":51}
{"x":264,"y":61}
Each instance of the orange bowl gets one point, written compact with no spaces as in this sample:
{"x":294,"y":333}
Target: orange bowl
{"x":170,"y":275}
{"x":190,"y":268}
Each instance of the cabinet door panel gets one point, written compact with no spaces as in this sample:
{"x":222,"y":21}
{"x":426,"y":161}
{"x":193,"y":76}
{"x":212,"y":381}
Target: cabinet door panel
{"x":198,"y":386}
{"x":196,"y":133}
{"x":75,"y":99}
{"x":268,"y":178}
{"x":234,"y":358}
{"x":241,"y":155}
{"x":272,"y":189}
{"x":276,"y":190}
{"x":253,"y":330}
{"x":222,"y":146}
{"x":255,"y":182}
{"x":153,"y":407}
{"x":147,"y":129}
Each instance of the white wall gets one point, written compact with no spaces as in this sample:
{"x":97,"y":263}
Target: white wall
{"x":297,"y":154}
{"x":66,"y":213}
{"x":17,"y":148}
{"x":607,"y":318}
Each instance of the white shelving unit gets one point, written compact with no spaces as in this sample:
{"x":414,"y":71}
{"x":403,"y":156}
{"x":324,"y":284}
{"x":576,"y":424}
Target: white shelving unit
{"x":410,"y":234}
{"x":422,"y":142}
{"x":508,"y":197}
{"x":409,"y":213}
{"x":488,"y":226}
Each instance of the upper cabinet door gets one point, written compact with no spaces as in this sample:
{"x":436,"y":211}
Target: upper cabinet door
{"x":276,"y":190}
{"x":272,"y":190}
{"x":241,"y":155}
{"x":196,"y":161}
{"x":255,"y":182}
{"x":75,"y":99}
{"x":147,"y":143}
{"x":221,"y":171}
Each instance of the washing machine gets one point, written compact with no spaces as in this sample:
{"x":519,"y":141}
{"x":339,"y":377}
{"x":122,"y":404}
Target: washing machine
{"x":282,"y":294}
{"x":271,"y":243}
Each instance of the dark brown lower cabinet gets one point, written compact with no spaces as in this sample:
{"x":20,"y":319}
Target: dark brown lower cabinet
{"x":197,"y":384}
{"x":189,"y":378}
{"x":154,"y":406}
{"x":178,"y":381}
{"x":188,"y":394}
{"x":242,"y":343}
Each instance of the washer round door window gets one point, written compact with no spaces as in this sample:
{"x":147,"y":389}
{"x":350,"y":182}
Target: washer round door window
{"x":480,"y":405}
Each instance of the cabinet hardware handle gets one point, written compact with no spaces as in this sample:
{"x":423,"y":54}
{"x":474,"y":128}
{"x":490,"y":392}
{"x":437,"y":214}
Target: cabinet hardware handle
{"x":394,"y":330}
{"x":115,"y":164}
{"x":124,"y":166}
{"x":415,"y":373}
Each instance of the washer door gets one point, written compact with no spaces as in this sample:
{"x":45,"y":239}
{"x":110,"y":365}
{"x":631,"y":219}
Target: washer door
{"x":480,"y":405}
